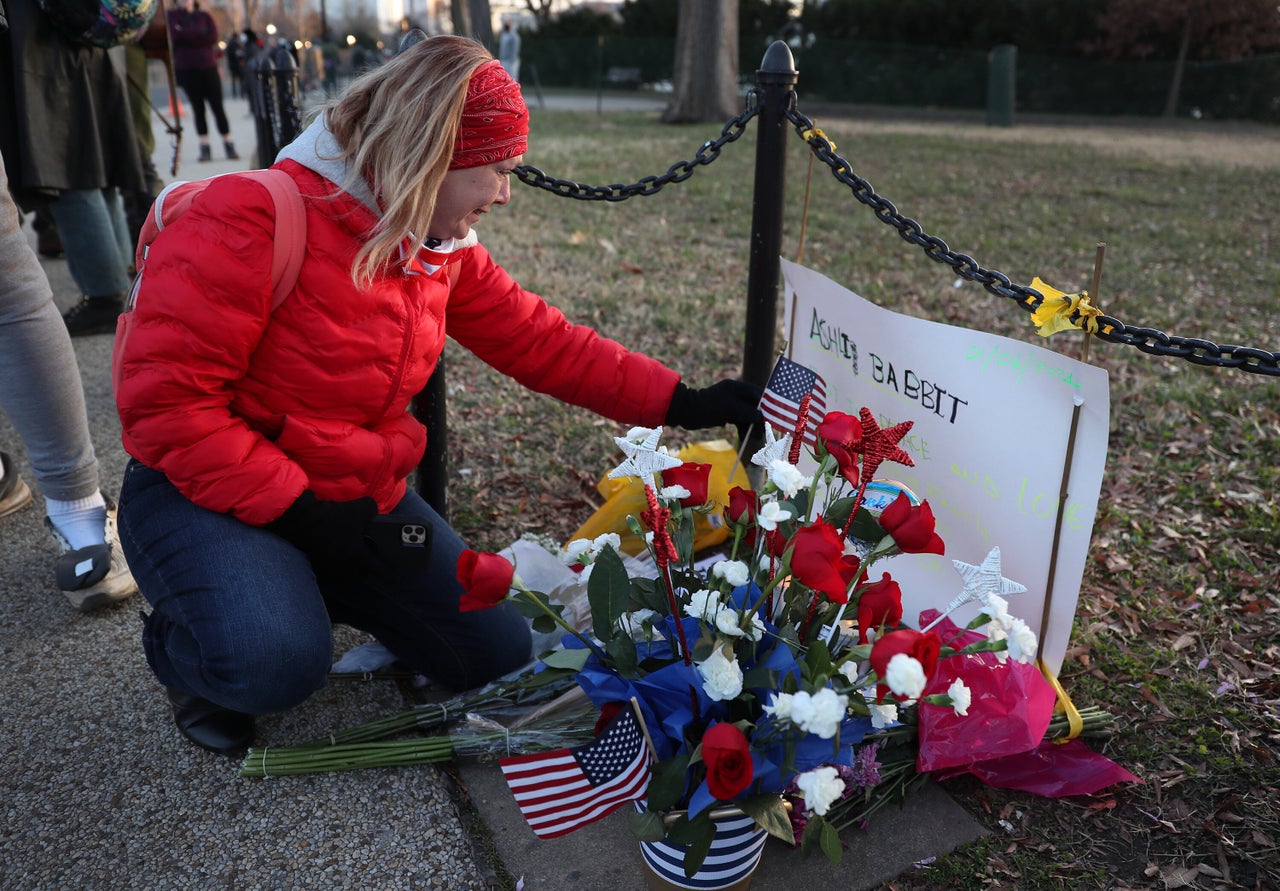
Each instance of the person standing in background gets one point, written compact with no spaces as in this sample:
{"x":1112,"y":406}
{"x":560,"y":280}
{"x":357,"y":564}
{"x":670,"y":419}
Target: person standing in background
{"x":195,"y":64}
{"x":509,"y":50}
{"x":67,"y":138}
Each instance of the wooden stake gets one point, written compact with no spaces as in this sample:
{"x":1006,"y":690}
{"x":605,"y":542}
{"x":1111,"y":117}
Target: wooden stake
{"x":644,"y":728}
{"x":1057,"y":526}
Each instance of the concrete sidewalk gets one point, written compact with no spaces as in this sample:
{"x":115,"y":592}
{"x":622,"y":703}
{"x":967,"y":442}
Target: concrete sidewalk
{"x":100,"y":792}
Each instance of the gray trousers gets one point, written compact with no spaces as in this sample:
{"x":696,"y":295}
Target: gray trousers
{"x":40,"y":386}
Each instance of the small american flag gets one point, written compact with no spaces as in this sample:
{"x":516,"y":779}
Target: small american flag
{"x":566,"y":789}
{"x":788,"y":384}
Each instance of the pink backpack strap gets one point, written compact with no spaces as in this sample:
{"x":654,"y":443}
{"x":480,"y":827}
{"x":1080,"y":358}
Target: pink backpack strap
{"x":290,"y":241}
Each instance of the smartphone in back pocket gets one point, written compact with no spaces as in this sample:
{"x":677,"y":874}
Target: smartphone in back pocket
{"x":403,"y":542}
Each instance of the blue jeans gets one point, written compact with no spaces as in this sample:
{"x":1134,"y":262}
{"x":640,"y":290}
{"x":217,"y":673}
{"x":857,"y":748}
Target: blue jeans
{"x":95,"y":237}
{"x":239,"y":618}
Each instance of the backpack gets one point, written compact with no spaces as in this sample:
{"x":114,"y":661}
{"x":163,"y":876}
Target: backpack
{"x":104,"y":23}
{"x":288,"y":244}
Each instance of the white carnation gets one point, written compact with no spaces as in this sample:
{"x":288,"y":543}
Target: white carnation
{"x":780,"y":707}
{"x":586,"y":573}
{"x":961,"y":697}
{"x":819,"y":713}
{"x":609,"y":539}
{"x":577,"y":551}
{"x":997,"y":608}
{"x":883,"y":714}
{"x":640,"y":434}
{"x":905,"y":676}
{"x":771,"y":514}
{"x":721,"y":677}
{"x":735,"y":572}
{"x":821,"y":788}
{"x":674,"y":493}
{"x":786,"y":477}
{"x":702,"y":605}
{"x":1022,"y":641}
{"x":728,"y":622}
{"x":849,"y":670}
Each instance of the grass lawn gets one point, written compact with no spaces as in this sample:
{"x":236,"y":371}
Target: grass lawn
{"x":1176,"y":632}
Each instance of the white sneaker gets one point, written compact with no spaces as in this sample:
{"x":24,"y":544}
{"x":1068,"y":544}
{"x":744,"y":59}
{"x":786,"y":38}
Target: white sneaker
{"x":96,"y":575}
{"x":14,"y":491}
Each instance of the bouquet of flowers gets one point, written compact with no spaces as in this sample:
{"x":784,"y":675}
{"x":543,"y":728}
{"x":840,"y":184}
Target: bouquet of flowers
{"x":762,"y":676}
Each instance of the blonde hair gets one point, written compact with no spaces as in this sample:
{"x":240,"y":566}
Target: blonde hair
{"x":398,"y":124}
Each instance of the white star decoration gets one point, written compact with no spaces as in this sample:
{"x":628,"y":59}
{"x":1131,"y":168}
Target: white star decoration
{"x":774,"y":449}
{"x":643,"y":458}
{"x":980,"y":584}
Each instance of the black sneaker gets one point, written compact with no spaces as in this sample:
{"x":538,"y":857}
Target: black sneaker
{"x":94,"y":315}
{"x":96,"y":575}
{"x":14,"y":492}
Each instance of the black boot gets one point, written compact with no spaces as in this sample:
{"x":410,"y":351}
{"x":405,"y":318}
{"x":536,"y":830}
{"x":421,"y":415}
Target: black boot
{"x":206,"y":154}
{"x":210,"y":726}
{"x":231,"y":150}
{"x":94,"y":315}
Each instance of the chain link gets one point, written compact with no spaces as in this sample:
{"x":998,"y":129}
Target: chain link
{"x":649,"y":185}
{"x":1149,"y":340}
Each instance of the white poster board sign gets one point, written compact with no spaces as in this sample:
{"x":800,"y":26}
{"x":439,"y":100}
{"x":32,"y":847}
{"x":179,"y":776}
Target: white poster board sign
{"x":992,"y":431}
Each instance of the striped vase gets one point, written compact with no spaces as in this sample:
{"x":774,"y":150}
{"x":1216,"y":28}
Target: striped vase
{"x":734,"y":855}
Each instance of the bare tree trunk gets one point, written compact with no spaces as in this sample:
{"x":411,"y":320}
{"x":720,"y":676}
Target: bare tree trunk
{"x":1175,"y":87}
{"x":460,"y":17}
{"x":482,"y":23}
{"x":705,"y":86}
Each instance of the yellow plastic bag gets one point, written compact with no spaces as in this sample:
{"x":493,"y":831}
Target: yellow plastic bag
{"x":625,"y":497}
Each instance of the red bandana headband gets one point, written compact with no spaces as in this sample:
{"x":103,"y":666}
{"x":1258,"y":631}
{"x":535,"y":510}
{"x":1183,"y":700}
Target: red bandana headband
{"x":495,"y":120}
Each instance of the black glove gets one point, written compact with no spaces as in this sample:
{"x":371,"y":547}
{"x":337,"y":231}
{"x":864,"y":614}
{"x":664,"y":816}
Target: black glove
{"x":727,"y":402}
{"x":332,"y":535}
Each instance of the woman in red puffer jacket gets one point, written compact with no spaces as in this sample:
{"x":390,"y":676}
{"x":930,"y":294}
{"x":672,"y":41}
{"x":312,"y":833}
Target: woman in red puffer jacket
{"x":270,"y":445}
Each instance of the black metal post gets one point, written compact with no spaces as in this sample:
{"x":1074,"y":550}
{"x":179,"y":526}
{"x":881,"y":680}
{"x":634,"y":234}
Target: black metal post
{"x":432,"y":478}
{"x":776,"y":79}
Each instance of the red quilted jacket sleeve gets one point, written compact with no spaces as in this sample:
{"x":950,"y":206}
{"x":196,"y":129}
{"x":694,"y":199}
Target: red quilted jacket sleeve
{"x":521,"y":335}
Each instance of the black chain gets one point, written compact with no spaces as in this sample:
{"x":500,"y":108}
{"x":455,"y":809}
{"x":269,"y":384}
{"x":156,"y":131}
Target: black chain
{"x":1149,"y":340}
{"x":676,"y":173}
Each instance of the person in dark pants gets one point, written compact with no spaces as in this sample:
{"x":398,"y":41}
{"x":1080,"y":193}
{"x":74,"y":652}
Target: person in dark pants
{"x":195,"y":65}
{"x":67,"y":137}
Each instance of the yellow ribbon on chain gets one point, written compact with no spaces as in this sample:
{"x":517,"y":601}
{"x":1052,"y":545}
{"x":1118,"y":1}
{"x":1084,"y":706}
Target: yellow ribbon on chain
{"x":812,"y":132}
{"x":1064,"y":312}
{"x":1075,"y":723}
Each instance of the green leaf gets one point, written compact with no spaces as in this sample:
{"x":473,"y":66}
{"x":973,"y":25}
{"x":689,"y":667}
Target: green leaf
{"x":666,"y":782}
{"x":544,"y":624}
{"x":649,"y":594}
{"x":698,"y":835}
{"x":622,"y":653}
{"x":526,"y":604}
{"x":830,"y":841}
{"x":572,"y":660}
{"x":760,"y":678}
{"x":608,"y":591}
{"x":647,"y":825}
{"x":770,"y":812}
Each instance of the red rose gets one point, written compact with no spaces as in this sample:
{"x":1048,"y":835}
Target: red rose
{"x":727,"y":756}
{"x":486,"y":578}
{"x":743,"y":504}
{"x":694,"y":477}
{"x":817,"y":560}
{"x":879,"y":604}
{"x":923,"y":647}
{"x":841,"y":435}
{"x":911,"y":526}
{"x":608,"y":712}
